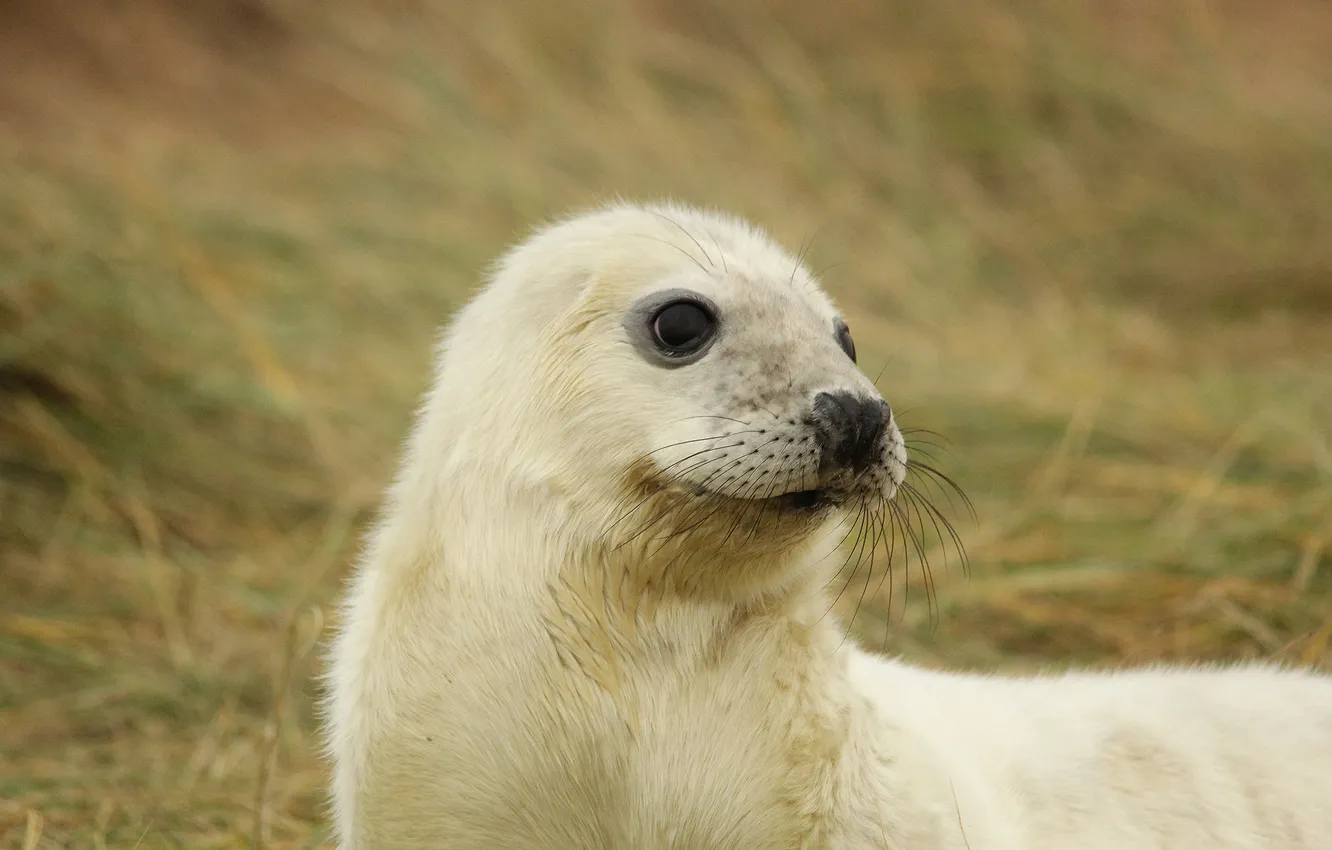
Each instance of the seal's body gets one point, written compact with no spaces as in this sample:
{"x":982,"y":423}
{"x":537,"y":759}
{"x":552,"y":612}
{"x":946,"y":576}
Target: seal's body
{"x":594,"y":613}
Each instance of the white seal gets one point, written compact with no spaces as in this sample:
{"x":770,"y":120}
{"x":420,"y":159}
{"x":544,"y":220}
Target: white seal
{"x":594,"y":614}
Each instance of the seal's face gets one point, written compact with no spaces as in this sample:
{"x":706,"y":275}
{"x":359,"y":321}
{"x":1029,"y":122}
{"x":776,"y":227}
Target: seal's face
{"x":664,"y":373}
{"x":740,"y":390}
{"x":769,"y":403}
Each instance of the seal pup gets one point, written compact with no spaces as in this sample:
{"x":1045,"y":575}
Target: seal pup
{"x":594,"y":613}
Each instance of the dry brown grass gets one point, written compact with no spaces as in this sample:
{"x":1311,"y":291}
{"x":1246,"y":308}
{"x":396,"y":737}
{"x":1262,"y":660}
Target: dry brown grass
{"x":1095,"y":249}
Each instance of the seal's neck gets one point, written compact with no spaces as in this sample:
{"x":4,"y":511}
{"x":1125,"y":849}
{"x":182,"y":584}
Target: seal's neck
{"x":541,"y":531}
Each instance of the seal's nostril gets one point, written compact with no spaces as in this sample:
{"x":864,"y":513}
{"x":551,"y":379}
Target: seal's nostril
{"x":850,"y":428}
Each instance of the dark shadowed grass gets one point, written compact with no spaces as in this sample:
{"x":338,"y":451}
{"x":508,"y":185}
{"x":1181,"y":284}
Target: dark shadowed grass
{"x":1093,"y":252}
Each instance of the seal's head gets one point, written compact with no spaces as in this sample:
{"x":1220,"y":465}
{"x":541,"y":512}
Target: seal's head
{"x":669,"y":375}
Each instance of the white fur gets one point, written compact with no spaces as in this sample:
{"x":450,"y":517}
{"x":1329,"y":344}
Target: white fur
{"x":527,"y":663}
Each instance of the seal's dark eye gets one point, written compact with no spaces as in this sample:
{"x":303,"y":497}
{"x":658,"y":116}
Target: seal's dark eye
{"x":682,"y":327}
{"x":844,"y":340}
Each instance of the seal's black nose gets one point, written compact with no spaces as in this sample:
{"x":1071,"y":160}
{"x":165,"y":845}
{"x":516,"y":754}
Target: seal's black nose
{"x":850,"y":429}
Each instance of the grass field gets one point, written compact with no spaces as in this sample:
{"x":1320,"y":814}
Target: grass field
{"x":1092,"y":244}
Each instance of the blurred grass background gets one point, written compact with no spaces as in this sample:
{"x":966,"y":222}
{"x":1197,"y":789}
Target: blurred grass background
{"x":1091,"y":242}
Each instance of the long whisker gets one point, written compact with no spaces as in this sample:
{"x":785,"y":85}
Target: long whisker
{"x":739,"y":518}
{"x":704,"y":486}
{"x":746,"y":503}
{"x":684,"y":502}
{"x":946,"y":482}
{"x":671,"y":479}
{"x":918,"y":546}
{"x":800,"y":258}
{"x":912,"y":442}
{"x":721,"y":252}
{"x":927,"y":573}
{"x":914,"y":448}
{"x":937,"y":517}
{"x":675,"y":247}
{"x":846,"y":522}
{"x":710,"y":416}
{"x":716,"y":504}
{"x":758,"y":518}
{"x":825,"y":269}
{"x":876,"y":536}
{"x":886,"y":516}
{"x":916,"y":493}
{"x":856,"y":555}
{"x":679,"y":227}
{"x":930,"y":485}
{"x":886,"y":364}
{"x":942,"y":528}
{"x":932,"y":433}
{"x":666,"y":485}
